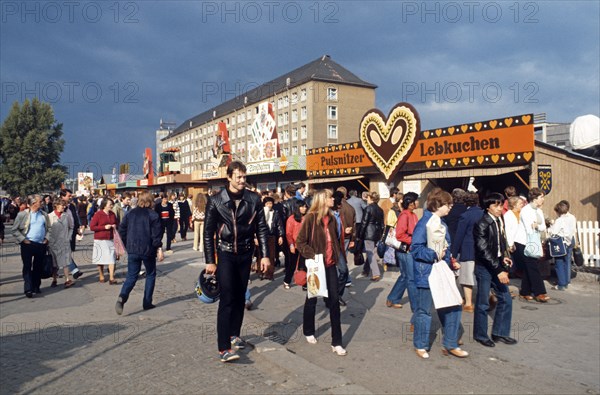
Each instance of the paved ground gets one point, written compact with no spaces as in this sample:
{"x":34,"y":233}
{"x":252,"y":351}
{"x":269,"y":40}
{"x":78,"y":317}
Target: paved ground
{"x":72,"y":341}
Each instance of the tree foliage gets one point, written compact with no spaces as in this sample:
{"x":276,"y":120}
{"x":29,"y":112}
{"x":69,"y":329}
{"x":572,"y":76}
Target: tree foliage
{"x":30,"y":147}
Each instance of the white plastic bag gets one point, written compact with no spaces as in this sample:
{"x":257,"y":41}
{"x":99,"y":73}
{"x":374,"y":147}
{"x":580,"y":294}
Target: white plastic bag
{"x":316,"y":283}
{"x":443,"y":286}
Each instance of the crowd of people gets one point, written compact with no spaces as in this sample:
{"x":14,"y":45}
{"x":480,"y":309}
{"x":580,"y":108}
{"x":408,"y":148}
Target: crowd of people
{"x":483,"y":240}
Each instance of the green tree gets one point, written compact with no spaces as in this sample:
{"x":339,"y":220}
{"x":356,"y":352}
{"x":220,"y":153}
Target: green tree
{"x":30,"y":146}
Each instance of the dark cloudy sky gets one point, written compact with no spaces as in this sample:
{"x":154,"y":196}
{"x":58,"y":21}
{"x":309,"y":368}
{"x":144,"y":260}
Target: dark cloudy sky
{"x":112,"y":69}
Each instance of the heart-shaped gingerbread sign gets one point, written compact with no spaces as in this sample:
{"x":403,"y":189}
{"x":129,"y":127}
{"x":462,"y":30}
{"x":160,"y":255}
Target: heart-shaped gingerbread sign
{"x":389,"y":142}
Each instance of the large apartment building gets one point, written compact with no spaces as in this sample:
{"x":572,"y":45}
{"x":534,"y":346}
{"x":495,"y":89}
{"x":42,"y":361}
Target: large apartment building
{"x":318,"y":104}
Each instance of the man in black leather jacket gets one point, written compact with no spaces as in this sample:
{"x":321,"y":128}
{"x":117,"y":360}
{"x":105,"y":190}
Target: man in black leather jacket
{"x":492,"y":264}
{"x":233,"y":218}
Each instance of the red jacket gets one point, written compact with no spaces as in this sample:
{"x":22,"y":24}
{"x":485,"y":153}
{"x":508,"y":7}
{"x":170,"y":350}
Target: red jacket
{"x":292,"y":228}
{"x":406,"y":226}
{"x":99,"y":222}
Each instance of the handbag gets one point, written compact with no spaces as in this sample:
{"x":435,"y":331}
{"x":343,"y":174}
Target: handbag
{"x":578,"y":256}
{"x":533,"y":248}
{"x":381,"y":249}
{"x":556,"y":246}
{"x":442,"y":283}
{"x":48,"y":266}
{"x":316,"y":282}
{"x":299,"y":275}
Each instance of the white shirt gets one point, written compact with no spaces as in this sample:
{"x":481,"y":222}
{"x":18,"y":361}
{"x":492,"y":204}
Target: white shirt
{"x":511,"y":224}
{"x":564,"y":226}
{"x":529,"y":215}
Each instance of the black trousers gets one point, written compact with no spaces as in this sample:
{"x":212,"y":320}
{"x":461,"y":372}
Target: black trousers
{"x":333,"y":302}
{"x":184,"y":225}
{"x":167,"y":227}
{"x":532,"y":281}
{"x":32,"y":255}
{"x":233,"y":272}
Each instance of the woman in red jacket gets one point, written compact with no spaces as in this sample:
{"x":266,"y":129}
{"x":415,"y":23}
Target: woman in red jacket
{"x":292,"y":228}
{"x":104,"y":224}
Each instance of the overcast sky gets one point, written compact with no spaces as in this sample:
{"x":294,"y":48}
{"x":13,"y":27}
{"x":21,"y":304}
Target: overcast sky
{"x":112,"y":70}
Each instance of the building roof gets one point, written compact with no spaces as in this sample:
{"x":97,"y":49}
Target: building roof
{"x":322,"y":69}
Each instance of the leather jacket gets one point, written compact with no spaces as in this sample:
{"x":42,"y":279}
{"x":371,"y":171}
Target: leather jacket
{"x":235,"y":229}
{"x":486,"y":244}
{"x":372,"y":223}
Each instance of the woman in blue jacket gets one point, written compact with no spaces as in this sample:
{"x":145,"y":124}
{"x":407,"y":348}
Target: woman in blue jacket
{"x":463,"y":247}
{"x":431,"y":243}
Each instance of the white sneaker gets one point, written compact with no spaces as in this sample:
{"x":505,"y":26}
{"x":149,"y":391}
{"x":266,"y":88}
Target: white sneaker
{"x":311,"y":339}
{"x":339,"y":350}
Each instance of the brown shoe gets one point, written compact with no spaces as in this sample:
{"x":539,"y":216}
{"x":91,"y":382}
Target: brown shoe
{"x":457,"y":352}
{"x":468,"y":309}
{"x":526,"y":298}
{"x":388,"y":303}
{"x":69,"y":283}
{"x":543,"y":298}
{"x":375,"y":278}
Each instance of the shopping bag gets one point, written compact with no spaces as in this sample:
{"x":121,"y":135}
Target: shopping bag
{"x":390,"y":256}
{"x":533,"y":248}
{"x":316,"y":283}
{"x":119,"y":246}
{"x":556,"y":246}
{"x":391,"y":240}
{"x":443,"y":286}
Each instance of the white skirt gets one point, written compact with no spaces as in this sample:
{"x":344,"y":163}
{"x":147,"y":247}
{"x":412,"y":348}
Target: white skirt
{"x":104,"y":252}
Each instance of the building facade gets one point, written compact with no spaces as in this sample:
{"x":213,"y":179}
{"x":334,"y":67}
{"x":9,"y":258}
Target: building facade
{"x":318,"y":104}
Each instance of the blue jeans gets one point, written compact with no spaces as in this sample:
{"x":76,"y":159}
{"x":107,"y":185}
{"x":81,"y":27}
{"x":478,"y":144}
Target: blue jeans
{"x":342,"y":268}
{"x":406,"y":281}
{"x":563,"y":268}
{"x":503,"y":313}
{"x":134,"y":264}
{"x":569,"y":256}
{"x":449,"y":318}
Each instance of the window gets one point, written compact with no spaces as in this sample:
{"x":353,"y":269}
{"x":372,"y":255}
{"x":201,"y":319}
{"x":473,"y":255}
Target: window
{"x":286,"y":151}
{"x":286,"y":118}
{"x":279,"y":104}
{"x":294,"y":134}
{"x":303,"y":95}
{"x":294,"y":150}
{"x":286,"y":101}
{"x":303,"y":149}
{"x":332,"y":112}
{"x":332,"y":132}
{"x":279,"y":119}
{"x":294,"y":115}
{"x":303,"y":134}
{"x":332,"y":94}
{"x":294,"y":98}
{"x":303,"y":113}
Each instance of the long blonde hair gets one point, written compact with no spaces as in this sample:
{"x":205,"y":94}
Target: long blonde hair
{"x":200,"y":202}
{"x":319,"y":204}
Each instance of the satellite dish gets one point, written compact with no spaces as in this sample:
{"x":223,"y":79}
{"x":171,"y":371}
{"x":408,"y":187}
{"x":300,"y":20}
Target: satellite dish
{"x":584,"y":135}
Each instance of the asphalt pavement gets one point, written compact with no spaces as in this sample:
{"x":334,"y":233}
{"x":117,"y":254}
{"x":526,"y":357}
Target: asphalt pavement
{"x":67,"y":341}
